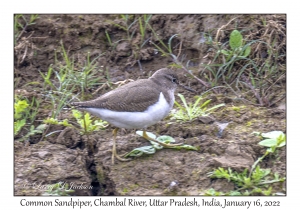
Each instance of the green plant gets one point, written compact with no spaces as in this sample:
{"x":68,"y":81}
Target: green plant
{"x":137,"y":152}
{"x":58,"y":190}
{"x":20,"y":107}
{"x":213,"y":192}
{"x":62,"y":79}
{"x":130,"y":24}
{"x":88,"y":77}
{"x":257,"y":178}
{"x":240,"y":68}
{"x":108,"y":38}
{"x":143,"y":24}
{"x":88,"y":125}
{"x":273,"y":140}
{"x":163,"y":49}
{"x":85,"y":123}
{"x":32,"y":131}
{"x":22,"y":22}
{"x":58,"y":90}
{"x":255,"y":183}
{"x":237,"y":45}
{"x":24,"y":117}
{"x":190,"y":111}
{"x":223,"y":64}
{"x":127,"y":23}
{"x":234,"y":63}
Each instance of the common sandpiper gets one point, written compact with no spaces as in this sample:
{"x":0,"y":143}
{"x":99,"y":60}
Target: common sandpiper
{"x":136,"y":105}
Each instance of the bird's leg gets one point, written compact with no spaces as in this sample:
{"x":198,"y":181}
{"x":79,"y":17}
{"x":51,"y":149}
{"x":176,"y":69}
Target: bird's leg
{"x":114,"y":146}
{"x":159,"y":142}
{"x":114,"y":151}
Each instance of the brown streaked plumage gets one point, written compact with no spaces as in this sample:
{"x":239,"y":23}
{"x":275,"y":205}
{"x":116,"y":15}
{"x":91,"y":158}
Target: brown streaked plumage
{"x":138,"y":104}
{"x":136,"y":96}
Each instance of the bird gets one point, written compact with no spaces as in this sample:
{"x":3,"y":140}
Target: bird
{"x":136,"y":105}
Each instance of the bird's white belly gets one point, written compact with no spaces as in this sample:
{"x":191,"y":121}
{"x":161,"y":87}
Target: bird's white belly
{"x":130,"y":120}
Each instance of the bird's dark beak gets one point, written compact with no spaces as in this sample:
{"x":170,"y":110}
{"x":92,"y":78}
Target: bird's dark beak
{"x":187,"y":88}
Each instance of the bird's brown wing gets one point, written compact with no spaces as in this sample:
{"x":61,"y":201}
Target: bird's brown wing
{"x":134,"y":96}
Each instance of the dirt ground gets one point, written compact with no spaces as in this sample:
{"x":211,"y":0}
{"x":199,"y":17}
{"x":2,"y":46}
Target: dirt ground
{"x":66,"y":156}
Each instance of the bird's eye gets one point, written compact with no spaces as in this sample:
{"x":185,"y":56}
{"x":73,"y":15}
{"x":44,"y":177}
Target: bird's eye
{"x":174,"y":80}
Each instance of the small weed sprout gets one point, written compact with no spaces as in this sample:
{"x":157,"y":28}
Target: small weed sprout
{"x":190,"y":111}
{"x":24,"y":115}
{"x":88,"y":125}
{"x":20,"y":107}
{"x":238,"y":48}
{"x":84,"y":122}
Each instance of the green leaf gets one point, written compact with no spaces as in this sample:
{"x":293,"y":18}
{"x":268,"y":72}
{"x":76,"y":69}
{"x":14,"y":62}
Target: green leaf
{"x":247,"y":181}
{"x":226,"y":52}
{"x":188,"y":147}
{"x":272,"y":134}
{"x":88,"y":121}
{"x":41,"y":127}
{"x":268,"y":142}
{"x":247,"y":51}
{"x":215,"y":107}
{"x":137,"y":152}
{"x":166,"y":139}
{"x":235,"y":193}
{"x":271,"y":150}
{"x":101,"y":123}
{"x":51,"y":120}
{"x":235,"y":40}
{"x":184,"y":102}
{"x":20,"y":107}
{"x":273,"y":139}
{"x":65,"y":123}
{"x":54,"y":121}
{"x":18,"y":125}
{"x":77,"y":114}
{"x":151,"y":149}
{"x":267,"y":192}
{"x":205,"y":103}
{"x":281,"y":141}
{"x":156,"y":145}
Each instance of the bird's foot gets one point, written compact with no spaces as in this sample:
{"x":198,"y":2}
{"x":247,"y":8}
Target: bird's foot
{"x":123,"y":159}
{"x":114,"y":149}
{"x":114,"y":154}
{"x":159,"y":142}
